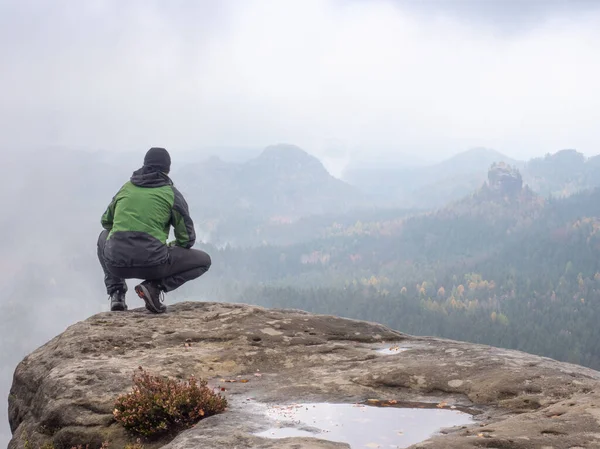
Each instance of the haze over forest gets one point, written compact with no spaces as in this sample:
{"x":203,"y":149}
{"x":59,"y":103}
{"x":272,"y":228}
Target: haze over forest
{"x":432,"y":165}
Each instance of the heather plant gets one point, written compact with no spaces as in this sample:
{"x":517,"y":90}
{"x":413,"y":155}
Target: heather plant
{"x":159,"y":405}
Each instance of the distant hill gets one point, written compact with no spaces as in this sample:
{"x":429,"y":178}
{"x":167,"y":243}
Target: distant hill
{"x":561,"y":174}
{"x":245,"y":202}
{"x":474,"y":160}
{"x":281,"y":184}
{"x":428,"y":186}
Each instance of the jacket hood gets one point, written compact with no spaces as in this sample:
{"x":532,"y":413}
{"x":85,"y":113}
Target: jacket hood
{"x":150,"y":177}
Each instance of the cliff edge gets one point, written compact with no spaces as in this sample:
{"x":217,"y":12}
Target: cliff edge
{"x":63,"y":393}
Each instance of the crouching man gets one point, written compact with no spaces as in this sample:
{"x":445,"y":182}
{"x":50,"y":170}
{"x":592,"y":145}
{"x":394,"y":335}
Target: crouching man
{"x":134,"y":244}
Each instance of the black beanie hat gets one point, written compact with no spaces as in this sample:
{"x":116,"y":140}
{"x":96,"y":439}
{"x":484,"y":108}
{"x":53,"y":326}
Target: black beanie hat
{"x":158,"y":158}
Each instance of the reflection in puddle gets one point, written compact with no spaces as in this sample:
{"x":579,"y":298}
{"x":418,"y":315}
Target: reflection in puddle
{"x":392,"y":350}
{"x":362,"y":426}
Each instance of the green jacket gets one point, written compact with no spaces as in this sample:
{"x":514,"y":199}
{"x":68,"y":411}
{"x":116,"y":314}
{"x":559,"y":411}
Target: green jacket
{"x":139,"y":218}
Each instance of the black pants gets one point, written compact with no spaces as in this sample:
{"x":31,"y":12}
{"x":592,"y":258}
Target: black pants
{"x":183,"y":266}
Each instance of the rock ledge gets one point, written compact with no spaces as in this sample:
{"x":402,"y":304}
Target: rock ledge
{"x":63,"y":393}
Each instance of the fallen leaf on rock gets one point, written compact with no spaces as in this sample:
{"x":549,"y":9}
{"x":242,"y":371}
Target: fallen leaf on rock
{"x":244,"y":381}
{"x":442,"y":404}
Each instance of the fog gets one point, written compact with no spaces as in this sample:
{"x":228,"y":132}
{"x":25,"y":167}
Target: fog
{"x":87,"y":87}
{"x":339,"y":78}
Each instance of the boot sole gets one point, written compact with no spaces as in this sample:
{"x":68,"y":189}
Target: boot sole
{"x":118,"y":308}
{"x":144,"y":294}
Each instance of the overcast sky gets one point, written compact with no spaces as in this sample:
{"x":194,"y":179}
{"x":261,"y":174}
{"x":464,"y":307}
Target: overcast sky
{"x":337,"y":77}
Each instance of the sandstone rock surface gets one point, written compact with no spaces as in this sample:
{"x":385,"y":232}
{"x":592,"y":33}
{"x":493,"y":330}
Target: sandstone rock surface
{"x":63,"y":393}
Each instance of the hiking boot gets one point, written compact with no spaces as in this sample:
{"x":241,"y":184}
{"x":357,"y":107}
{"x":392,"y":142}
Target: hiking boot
{"x":152,"y":295}
{"x":117,"y":302}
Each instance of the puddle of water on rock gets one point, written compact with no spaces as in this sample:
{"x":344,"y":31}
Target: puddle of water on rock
{"x":362,"y":426}
{"x":392,"y":350}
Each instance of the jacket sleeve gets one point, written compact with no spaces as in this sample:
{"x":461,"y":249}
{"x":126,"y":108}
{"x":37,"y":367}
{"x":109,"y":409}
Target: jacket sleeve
{"x":185,"y":235}
{"x":109,"y":215}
